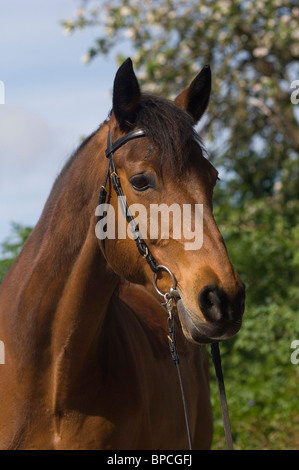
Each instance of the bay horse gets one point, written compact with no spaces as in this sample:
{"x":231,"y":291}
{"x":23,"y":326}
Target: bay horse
{"x":87,"y":364}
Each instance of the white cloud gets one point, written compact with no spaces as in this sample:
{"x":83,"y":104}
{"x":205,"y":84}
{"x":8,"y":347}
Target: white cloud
{"x":22,"y":136}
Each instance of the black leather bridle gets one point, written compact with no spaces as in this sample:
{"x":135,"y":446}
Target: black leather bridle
{"x":156,"y":267}
{"x":140,"y":243}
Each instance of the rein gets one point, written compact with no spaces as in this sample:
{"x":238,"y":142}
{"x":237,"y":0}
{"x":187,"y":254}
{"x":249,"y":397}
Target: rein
{"x":168,"y":296}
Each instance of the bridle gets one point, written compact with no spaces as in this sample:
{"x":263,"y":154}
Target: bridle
{"x":111,"y":148}
{"x":156,"y":267}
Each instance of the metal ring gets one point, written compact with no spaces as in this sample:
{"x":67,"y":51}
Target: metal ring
{"x":160,"y":266}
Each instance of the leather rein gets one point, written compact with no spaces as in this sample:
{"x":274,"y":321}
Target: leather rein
{"x":156,"y":267}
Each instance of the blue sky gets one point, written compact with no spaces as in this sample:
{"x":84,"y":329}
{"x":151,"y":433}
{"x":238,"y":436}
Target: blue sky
{"x":51,"y":100}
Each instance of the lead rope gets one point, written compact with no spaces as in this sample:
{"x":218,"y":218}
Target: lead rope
{"x":215,"y":351}
{"x":168,"y":303}
{"x":176,"y":360}
{"x":222,"y":395}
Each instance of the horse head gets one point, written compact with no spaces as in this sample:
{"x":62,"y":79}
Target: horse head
{"x":168,"y":183}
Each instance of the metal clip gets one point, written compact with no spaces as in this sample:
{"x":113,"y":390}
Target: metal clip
{"x":168,"y":303}
{"x":171,"y":294}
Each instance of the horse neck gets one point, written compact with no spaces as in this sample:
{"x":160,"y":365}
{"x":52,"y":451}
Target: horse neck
{"x":60,"y":303}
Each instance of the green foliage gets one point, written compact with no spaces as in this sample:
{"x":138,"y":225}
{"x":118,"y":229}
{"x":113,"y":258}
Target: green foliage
{"x":263,"y":242}
{"x":11,"y":247}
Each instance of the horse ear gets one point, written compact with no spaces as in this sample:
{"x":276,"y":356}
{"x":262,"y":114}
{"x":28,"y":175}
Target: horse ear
{"x":195,"y":98}
{"x":126,"y":95}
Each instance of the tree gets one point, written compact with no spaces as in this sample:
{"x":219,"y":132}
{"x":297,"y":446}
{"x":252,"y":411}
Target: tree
{"x":11,"y":247}
{"x":253,"y":50}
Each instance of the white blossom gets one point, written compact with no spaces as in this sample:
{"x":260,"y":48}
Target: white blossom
{"x":130,"y":33}
{"x":125,"y":11}
{"x":295,"y":49}
{"x":85,"y":58}
{"x":172,"y":14}
{"x":161,"y":59}
{"x":80,"y":12}
{"x":67,"y":30}
{"x":68,"y":27}
{"x":295,"y":34}
{"x":260,"y":51}
{"x":285,"y":18}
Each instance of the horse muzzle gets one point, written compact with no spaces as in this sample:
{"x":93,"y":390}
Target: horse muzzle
{"x":221,"y":316}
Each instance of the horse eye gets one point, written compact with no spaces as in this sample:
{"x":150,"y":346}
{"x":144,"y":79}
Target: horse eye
{"x":141,"y":182}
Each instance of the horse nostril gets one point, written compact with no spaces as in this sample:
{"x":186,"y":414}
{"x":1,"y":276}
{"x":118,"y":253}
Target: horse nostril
{"x":212,"y":302}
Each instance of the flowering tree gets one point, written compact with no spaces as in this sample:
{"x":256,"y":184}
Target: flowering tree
{"x":253,"y":50}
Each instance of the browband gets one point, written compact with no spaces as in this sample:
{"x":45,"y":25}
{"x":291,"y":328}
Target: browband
{"x":111,"y":148}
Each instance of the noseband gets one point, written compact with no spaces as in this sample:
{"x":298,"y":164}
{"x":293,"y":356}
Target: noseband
{"x":156,"y":267}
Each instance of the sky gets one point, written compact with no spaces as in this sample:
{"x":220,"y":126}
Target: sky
{"x":52,"y":99}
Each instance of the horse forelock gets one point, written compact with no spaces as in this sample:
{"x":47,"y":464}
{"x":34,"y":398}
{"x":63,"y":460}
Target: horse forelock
{"x":170,"y":129}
